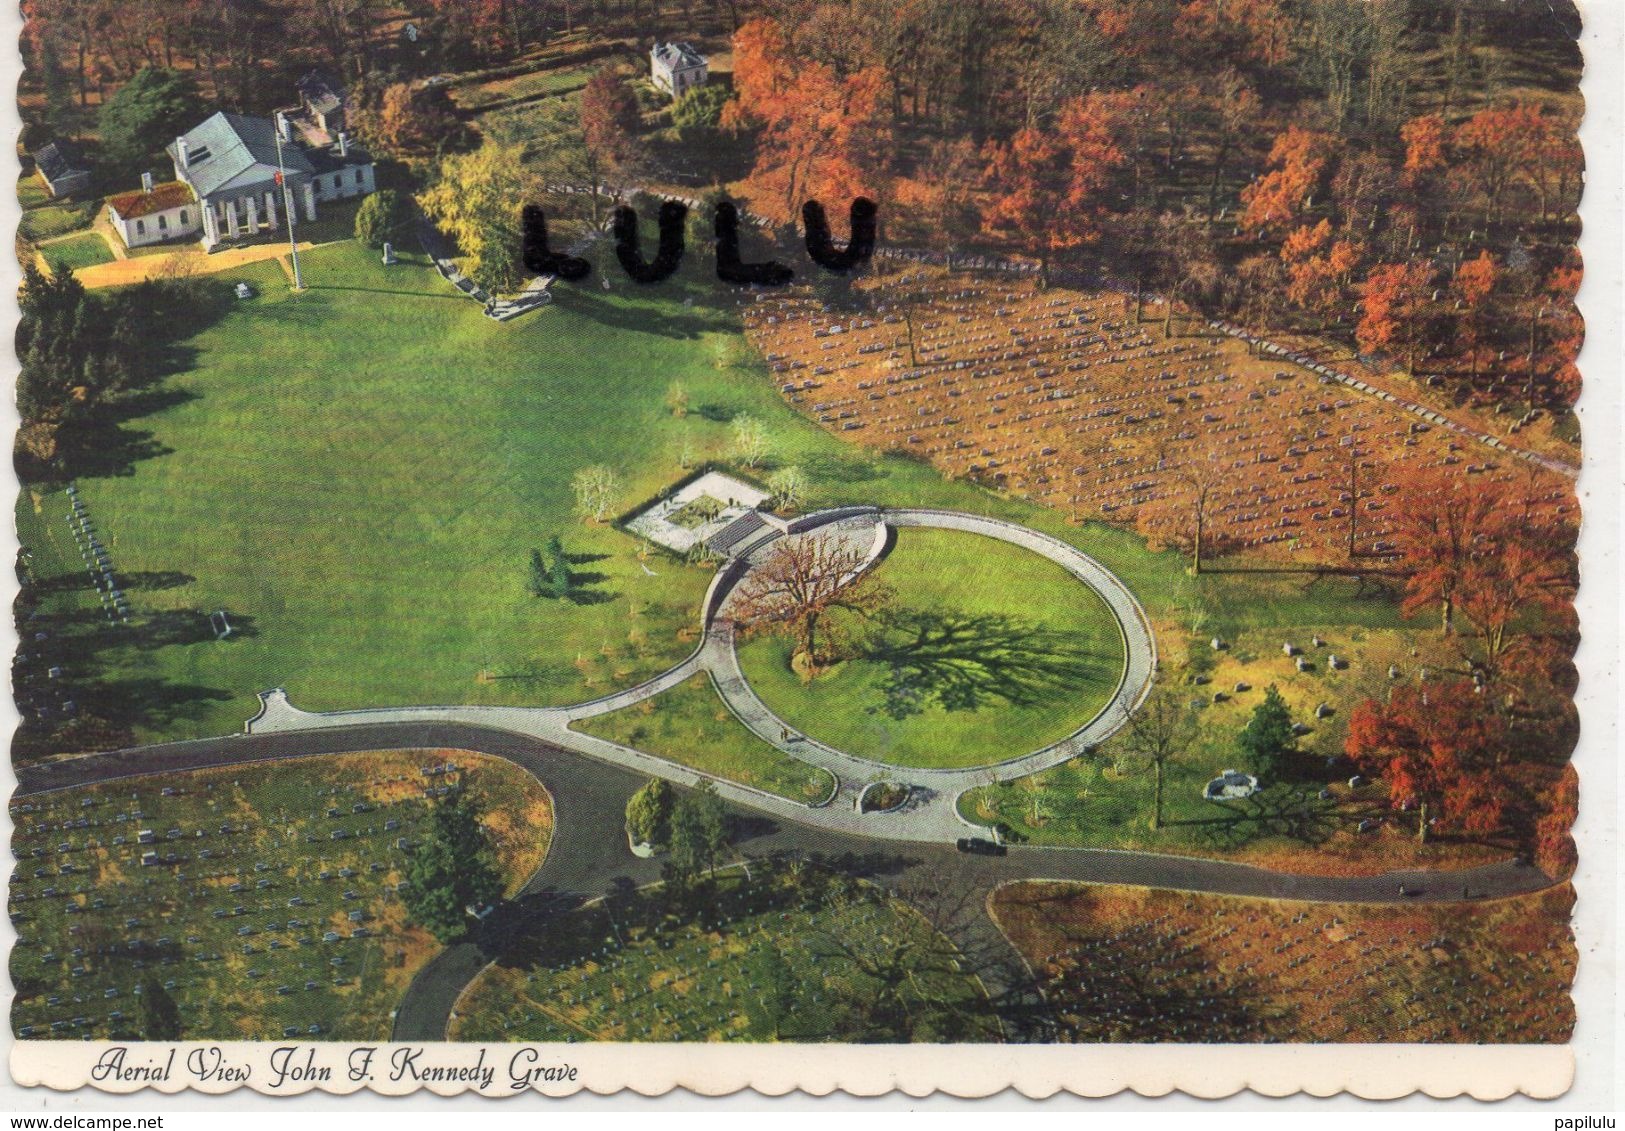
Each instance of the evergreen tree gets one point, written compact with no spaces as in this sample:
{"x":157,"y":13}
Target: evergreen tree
{"x":558,"y":568}
{"x":699,"y":831}
{"x":454,"y":869}
{"x":1268,"y":735}
{"x":144,"y":115}
{"x":649,"y":813}
{"x":540,"y":581}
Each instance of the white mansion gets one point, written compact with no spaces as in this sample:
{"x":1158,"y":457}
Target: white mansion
{"x":226,"y":183}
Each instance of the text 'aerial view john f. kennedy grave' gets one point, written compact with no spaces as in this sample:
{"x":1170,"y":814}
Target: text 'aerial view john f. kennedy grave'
{"x":922,"y":522}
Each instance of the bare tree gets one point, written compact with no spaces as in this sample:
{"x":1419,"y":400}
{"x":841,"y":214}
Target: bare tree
{"x":1157,"y":732}
{"x":803,"y":579}
{"x":749,"y":439}
{"x":596,"y":489}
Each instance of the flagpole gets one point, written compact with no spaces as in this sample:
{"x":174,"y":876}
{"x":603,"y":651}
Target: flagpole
{"x":287,"y":206}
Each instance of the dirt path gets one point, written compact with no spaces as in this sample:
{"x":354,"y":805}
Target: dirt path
{"x":144,"y":267}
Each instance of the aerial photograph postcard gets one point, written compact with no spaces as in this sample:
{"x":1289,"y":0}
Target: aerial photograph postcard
{"x":545,"y":525}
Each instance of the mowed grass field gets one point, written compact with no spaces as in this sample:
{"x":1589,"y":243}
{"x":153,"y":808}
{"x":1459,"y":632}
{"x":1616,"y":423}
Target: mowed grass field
{"x":1134,"y":964}
{"x":272,"y":909}
{"x":691,"y":724}
{"x":771,"y":956}
{"x":1106,"y":800}
{"x":1036,"y":653}
{"x":356,"y":476}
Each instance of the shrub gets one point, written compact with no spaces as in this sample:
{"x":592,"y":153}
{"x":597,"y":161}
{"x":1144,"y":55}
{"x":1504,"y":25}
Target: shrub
{"x":385,"y":216}
{"x":648,"y":813}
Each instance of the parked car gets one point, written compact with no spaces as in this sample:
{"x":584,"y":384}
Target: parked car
{"x":979,"y":846}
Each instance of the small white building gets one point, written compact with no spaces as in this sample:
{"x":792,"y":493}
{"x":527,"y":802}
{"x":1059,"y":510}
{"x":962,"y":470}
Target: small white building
{"x":155,"y":213}
{"x":677,"y":68}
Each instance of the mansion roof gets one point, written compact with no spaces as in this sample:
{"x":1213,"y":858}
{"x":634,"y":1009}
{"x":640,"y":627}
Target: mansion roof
{"x":234,"y":153}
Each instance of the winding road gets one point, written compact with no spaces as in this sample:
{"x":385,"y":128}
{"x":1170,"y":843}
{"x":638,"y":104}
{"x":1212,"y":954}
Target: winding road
{"x":591,"y":780}
{"x":589,"y":856}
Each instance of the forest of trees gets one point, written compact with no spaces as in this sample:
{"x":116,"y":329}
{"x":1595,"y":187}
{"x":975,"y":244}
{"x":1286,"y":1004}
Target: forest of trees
{"x":1398,"y":175}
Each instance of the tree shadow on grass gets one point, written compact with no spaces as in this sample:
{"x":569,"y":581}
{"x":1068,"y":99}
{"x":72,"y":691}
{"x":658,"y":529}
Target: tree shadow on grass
{"x":963,"y":661}
{"x":638,"y":317}
{"x":1125,"y":988}
{"x":89,"y":661}
{"x":1285,"y":810}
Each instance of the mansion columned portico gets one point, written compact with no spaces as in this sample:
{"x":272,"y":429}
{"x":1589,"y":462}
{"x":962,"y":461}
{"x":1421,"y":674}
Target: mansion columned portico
{"x":231,"y":163}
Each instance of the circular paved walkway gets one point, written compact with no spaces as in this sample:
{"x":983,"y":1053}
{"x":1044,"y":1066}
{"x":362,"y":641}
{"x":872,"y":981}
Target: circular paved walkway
{"x":931,"y":813}
{"x":1139,"y":649}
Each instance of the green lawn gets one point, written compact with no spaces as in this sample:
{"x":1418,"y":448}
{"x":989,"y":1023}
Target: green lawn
{"x":1000,"y":652}
{"x":278,"y":910}
{"x":84,"y":250}
{"x":31,"y":190}
{"x":690,"y":724}
{"x":535,"y":84}
{"x":356,"y":475}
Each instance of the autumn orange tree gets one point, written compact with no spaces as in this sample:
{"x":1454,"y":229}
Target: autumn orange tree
{"x":1047,"y":186}
{"x":1319,"y":270}
{"x":820,"y":134}
{"x":1488,"y":556}
{"x":610,"y":120}
{"x":1473,"y":284}
{"x":1299,"y":162}
{"x":1397,"y":310}
{"x":1502,"y":145}
{"x":1442,"y":749}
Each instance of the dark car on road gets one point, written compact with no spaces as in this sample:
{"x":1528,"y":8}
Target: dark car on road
{"x":977,"y":846}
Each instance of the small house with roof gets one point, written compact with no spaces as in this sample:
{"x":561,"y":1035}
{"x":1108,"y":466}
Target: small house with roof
{"x":677,"y":68}
{"x":155,"y":213}
{"x":62,"y":168}
{"x":237,"y":166}
{"x":321,"y":106}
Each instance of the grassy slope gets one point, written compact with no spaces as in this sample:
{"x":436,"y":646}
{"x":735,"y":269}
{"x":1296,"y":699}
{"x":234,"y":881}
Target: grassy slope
{"x":690,"y":724}
{"x":938,"y":571}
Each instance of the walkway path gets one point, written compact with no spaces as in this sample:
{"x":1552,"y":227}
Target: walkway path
{"x":1431,"y":415}
{"x":932,"y":811}
{"x":139,"y":268}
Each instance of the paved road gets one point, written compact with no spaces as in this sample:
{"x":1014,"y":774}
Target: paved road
{"x":589,"y":856}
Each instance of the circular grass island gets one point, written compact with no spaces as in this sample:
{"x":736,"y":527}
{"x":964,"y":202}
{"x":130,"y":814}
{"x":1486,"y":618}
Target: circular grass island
{"x":987,"y":651}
